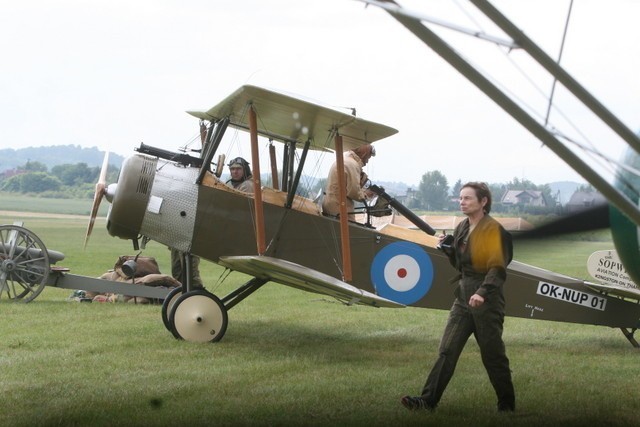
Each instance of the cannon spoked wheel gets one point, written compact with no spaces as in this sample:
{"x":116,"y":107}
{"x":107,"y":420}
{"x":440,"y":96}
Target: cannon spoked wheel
{"x":198,"y":316}
{"x":24,"y":263}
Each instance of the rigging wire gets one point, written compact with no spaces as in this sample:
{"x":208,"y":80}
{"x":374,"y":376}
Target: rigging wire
{"x":555,"y":80}
{"x":185,"y":147}
{"x":588,"y":148}
{"x":468,"y":15}
{"x":609,"y":165}
{"x":223,"y":276}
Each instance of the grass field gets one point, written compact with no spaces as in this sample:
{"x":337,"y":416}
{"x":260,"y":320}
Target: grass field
{"x":23,"y":203}
{"x":289,"y":357}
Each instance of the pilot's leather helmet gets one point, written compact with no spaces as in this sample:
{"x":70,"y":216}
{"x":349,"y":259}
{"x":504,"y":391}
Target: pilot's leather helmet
{"x":240,"y":162}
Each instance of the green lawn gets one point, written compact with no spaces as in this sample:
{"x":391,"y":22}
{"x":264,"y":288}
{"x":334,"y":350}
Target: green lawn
{"x":23,"y":203}
{"x":290,"y":357}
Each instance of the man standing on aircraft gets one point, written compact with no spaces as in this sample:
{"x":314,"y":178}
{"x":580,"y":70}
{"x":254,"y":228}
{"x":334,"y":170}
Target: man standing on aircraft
{"x":240,"y":175}
{"x":355,"y":178}
{"x":480,"y":251}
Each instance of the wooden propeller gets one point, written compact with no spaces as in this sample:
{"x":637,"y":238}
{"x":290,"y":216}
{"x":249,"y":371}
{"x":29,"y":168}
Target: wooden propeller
{"x":97,"y":197}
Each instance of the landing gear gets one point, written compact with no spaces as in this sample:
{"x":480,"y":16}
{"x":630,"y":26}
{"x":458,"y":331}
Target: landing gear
{"x":24,"y":263}
{"x":167,"y":306}
{"x":198,"y":316}
{"x":628,"y":333}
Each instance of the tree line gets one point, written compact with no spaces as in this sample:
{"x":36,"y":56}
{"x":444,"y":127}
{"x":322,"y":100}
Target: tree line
{"x":432,"y":194}
{"x":62,"y":181}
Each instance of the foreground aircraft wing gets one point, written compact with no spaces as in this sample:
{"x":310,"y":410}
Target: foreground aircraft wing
{"x":291,"y":118}
{"x":297,"y":276}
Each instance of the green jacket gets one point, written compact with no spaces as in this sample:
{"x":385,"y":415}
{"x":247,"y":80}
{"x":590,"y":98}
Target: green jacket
{"x":484,"y":254}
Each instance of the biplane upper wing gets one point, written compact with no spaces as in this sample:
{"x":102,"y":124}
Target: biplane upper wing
{"x":297,"y":276}
{"x":290,"y":118}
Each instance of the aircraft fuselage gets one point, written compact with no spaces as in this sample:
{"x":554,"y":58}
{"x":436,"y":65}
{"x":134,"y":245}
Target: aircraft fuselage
{"x":160,"y":199}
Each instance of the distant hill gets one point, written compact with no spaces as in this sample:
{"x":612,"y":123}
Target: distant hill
{"x":55,"y":155}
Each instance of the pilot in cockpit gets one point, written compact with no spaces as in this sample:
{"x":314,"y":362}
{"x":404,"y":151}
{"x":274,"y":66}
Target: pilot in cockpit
{"x":354,"y":161}
{"x":241,"y":178}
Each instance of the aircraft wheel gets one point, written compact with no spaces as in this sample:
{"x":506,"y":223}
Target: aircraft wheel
{"x":24,"y":263}
{"x":198,"y":316}
{"x":167,"y":305}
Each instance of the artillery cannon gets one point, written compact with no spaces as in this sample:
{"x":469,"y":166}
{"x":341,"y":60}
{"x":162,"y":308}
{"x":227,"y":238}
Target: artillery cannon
{"x":27,"y":266}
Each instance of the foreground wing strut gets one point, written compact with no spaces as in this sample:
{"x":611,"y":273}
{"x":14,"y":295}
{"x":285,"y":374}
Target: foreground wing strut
{"x":436,"y":43}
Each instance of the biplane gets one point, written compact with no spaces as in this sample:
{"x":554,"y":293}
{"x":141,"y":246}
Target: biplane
{"x":278,"y":235}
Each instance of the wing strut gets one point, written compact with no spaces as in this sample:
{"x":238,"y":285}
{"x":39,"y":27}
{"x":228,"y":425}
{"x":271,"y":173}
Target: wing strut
{"x":287,"y":164}
{"x":212,"y":141}
{"x":274,"y":166}
{"x":344,"y":218}
{"x":257,"y":190}
{"x":296,"y":179}
{"x":629,"y":335}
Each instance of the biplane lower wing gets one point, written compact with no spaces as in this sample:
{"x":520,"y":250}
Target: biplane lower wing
{"x":297,"y":276}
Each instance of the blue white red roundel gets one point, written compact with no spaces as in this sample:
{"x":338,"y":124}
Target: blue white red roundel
{"x":402,"y":272}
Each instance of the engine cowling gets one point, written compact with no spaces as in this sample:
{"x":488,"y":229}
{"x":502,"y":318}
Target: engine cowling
{"x":131,"y":197}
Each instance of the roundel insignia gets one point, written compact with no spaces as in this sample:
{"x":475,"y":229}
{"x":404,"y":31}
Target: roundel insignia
{"x":402,"y":272}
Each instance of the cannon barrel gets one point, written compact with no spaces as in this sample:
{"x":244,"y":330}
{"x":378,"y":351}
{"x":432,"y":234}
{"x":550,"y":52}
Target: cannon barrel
{"x":183,"y":159}
{"x":31,"y":253}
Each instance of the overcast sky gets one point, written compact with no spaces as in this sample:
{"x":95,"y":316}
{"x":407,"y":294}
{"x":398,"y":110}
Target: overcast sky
{"x":114,"y":73}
